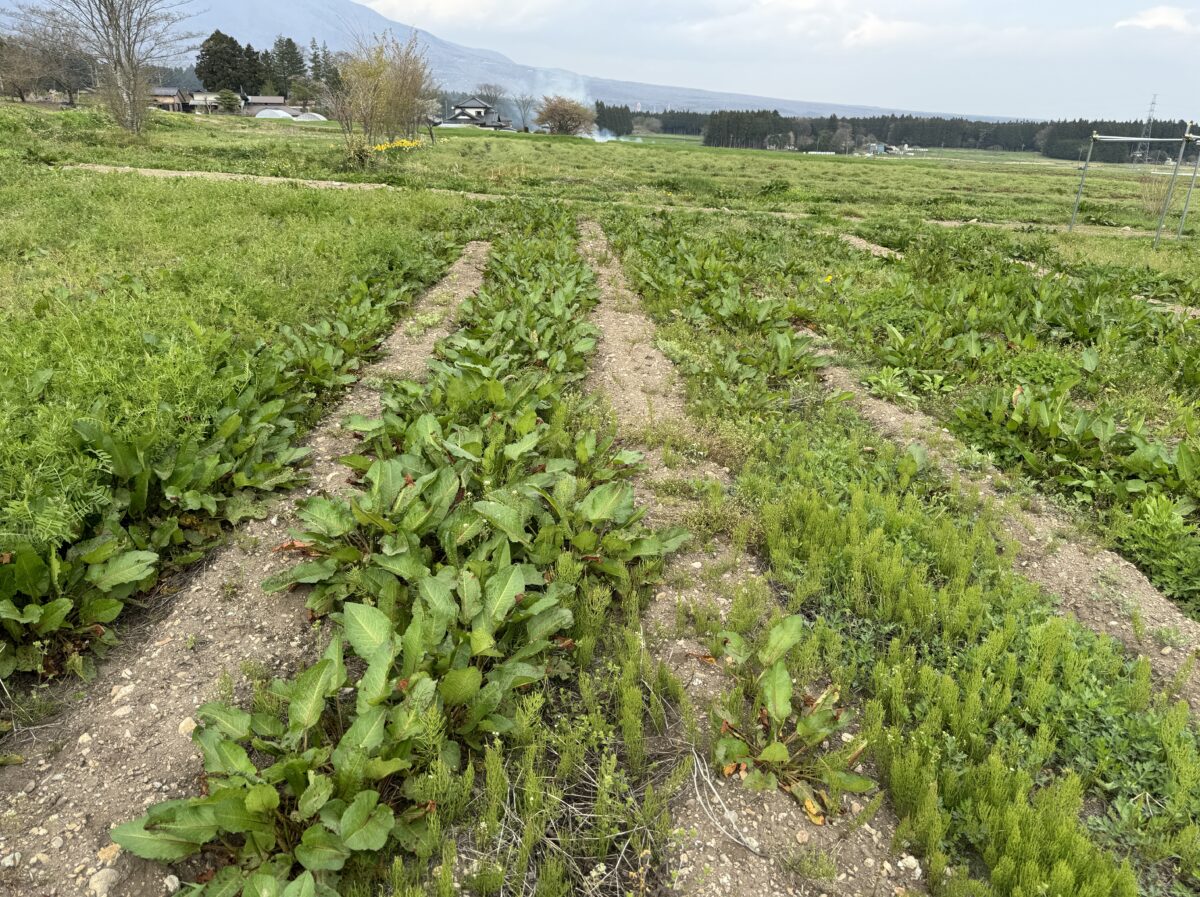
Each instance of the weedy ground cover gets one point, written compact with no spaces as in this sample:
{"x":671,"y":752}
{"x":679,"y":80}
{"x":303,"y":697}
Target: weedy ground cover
{"x":163,"y":347}
{"x":1088,"y":391}
{"x":1021,"y":750}
{"x":475,"y":582}
{"x":485,"y":715}
{"x":652,"y":173}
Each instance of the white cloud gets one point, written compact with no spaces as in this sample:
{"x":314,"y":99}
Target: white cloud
{"x":872,"y":30}
{"x":1163,"y":18}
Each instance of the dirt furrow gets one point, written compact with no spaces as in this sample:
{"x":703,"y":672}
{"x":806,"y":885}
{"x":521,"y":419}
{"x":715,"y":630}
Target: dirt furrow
{"x":1105,"y":592}
{"x":125,"y":742}
{"x":727,"y":839}
{"x":316,"y":184}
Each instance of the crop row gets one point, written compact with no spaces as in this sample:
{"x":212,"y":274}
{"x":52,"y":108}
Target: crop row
{"x":138,"y":501}
{"x":1023,"y":753}
{"x":470,"y":578}
{"x":1087,"y":390}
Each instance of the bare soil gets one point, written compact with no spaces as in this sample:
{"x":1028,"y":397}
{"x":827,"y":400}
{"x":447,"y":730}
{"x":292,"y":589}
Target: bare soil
{"x":873,"y":248}
{"x":727,"y":840}
{"x":256,"y":179}
{"x":125,"y":742}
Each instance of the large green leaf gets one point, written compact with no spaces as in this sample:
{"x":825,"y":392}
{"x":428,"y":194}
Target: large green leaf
{"x":777,"y":692}
{"x":365,"y":824}
{"x":320,"y":850}
{"x":547,"y":623}
{"x":612,"y":502}
{"x":309,"y":573}
{"x":500,"y":595}
{"x":440,"y":607}
{"x":304,"y":886}
{"x":130,"y":567}
{"x":53,"y":615}
{"x":366,"y":628}
{"x":232,"y":722}
{"x":458,"y":687}
{"x":515,"y":450}
{"x":504,"y":519}
{"x":783,"y":636}
{"x":153,"y":845}
{"x":222,"y":756}
{"x":315,"y":796}
{"x":327,"y":517}
{"x":308,"y":696}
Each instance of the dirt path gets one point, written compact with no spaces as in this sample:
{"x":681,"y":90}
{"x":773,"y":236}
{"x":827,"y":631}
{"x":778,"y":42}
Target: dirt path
{"x":728,"y":840}
{"x":318,"y":184}
{"x":125,"y":743}
{"x":1097,"y":230}
{"x":168,"y":173}
{"x":1105,"y":592}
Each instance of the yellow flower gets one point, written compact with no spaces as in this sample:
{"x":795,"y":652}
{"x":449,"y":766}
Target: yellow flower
{"x":829,"y":279}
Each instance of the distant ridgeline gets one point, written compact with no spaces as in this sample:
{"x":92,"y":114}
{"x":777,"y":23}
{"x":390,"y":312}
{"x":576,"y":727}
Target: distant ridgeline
{"x":767,"y":129}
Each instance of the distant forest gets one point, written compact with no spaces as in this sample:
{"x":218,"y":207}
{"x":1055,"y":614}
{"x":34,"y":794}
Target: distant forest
{"x":767,"y":129}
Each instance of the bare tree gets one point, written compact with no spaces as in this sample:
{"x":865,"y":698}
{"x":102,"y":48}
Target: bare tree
{"x":491,"y":93}
{"x":525,"y":104}
{"x":53,"y":59}
{"x":562,"y":115}
{"x":22,"y":68}
{"x":384,"y":91}
{"x":125,"y":37}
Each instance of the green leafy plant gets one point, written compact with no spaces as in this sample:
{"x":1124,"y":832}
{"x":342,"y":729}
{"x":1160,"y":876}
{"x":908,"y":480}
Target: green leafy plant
{"x":779,"y":745}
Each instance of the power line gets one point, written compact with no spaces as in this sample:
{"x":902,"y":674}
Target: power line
{"x":1143,"y":150}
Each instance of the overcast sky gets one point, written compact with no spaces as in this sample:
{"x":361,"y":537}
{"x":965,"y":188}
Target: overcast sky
{"x":1026,"y":58}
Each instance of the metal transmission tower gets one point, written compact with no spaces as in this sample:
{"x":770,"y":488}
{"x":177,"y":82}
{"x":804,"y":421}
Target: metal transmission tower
{"x":1142,"y":154}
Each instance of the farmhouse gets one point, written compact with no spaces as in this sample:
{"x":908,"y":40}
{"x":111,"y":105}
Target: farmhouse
{"x":476,"y":112}
{"x":255,"y":104}
{"x":170,"y":99}
{"x":206,"y":102}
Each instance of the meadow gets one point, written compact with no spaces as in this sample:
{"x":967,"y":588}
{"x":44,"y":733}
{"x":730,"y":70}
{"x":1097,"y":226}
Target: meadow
{"x":491,"y":711}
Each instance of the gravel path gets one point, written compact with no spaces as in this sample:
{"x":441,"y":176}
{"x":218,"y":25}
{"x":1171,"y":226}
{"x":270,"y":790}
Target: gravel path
{"x":125,"y":742}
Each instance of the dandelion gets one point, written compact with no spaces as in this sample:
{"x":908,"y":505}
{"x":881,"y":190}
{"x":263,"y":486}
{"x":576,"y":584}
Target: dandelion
{"x":829,"y":279}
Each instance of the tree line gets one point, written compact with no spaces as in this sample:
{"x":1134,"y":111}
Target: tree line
{"x":767,"y":129}
{"x":284,"y":70}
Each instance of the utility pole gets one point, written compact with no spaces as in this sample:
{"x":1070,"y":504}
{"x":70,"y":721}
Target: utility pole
{"x":1143,"y":150}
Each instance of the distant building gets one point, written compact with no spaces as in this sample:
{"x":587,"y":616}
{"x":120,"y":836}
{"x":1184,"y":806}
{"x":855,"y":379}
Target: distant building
{"x":206,"y":102}
{"x":170,"y":99}
{"x":476,"y":112}
{"x":253,"y":105}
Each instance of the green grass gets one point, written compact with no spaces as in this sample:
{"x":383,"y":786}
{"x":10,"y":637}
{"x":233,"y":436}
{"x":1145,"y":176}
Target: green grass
{"x":123,"y":298}
{"x":665,"y":171}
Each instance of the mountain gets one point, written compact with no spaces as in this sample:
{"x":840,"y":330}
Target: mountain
{"x":459,"y":68}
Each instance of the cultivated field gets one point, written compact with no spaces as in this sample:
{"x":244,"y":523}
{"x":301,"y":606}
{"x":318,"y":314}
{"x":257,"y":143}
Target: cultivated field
{"x":568,"y":518}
